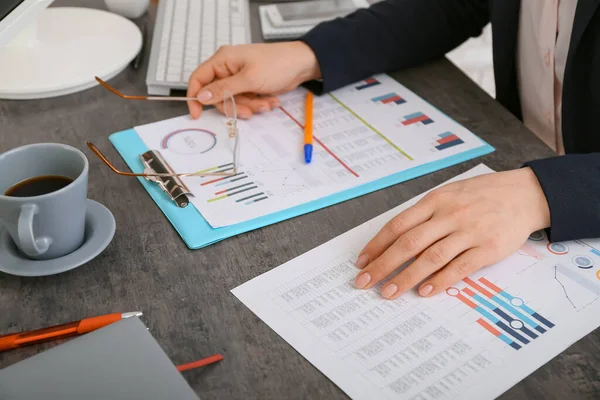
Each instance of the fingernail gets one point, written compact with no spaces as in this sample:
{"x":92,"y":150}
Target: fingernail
{"x":389,"y":290}
{"x":205,"y":96}
{"x":362,"y":280}
{"x":425,"y":290}
{"x":264,"y":109}
{"x":362,"y":261}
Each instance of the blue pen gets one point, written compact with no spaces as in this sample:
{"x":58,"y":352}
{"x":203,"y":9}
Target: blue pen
{"x":308,"y":128}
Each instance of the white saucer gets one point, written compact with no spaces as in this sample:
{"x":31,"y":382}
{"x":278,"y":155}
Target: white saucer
{"x":99,"y":230}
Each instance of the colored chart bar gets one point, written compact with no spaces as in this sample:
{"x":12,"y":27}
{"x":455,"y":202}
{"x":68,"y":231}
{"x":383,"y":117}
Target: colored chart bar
{"x":594,"y":251}
{"x":498,"y":334}
{"x":491,"y":317}
{"x":415,"y":118}
{"x":368,"y":83}
{"x":220,"y":167}
{"x":517,"y":302}
{"x":230,"y":194}
{"x":501,"y":302}
{"x":388,"y":98}
{"x":250,"y":197}
{"x":447,"y":140}
{"x":498,"y":311}
{"x":235,"y":177}
{"x":233,"y":188}
{"x":256,"y":201}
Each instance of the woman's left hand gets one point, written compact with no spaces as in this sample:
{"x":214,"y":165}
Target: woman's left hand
{"x":453,"y":231}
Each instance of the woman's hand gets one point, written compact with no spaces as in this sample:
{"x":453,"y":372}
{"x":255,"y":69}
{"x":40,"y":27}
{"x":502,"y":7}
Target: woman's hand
{"x":254,"y":74}
{"x":454,"y":231}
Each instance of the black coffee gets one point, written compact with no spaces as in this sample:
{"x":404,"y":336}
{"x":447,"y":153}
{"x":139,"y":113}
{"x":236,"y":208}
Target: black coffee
{"x":38,"y":186}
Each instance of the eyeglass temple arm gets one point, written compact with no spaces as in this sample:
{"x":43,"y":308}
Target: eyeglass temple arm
{"x":128,"y":97}
{"x":101,"y":156}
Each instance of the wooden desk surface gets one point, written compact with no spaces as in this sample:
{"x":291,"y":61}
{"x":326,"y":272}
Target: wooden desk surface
{"x":185,"y":295}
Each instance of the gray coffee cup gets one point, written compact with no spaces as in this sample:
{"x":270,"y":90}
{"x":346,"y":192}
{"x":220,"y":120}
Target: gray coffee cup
{"x":53,"y":224}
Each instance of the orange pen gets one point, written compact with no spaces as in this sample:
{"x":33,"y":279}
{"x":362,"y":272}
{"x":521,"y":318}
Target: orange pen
{"x":308,"y":128}
{"x":16,"y":340}
{"x":200,"y":363}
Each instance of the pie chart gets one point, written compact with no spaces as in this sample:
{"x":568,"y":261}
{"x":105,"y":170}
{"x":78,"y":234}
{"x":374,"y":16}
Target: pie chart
{"x":190,"y":141}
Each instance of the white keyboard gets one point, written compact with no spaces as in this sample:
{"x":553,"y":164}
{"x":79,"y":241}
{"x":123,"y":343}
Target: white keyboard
{"x":188,"y":32}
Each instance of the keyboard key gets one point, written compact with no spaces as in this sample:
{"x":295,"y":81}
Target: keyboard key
{"x":238,"y":35}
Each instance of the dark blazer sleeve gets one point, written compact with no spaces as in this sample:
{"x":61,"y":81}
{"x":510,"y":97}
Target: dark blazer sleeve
{"x":571,"y":184}
{"x":391,"y":35}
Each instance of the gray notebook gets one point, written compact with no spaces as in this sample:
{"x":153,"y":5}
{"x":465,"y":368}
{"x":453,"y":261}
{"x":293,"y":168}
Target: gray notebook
{"x":119,"y":361}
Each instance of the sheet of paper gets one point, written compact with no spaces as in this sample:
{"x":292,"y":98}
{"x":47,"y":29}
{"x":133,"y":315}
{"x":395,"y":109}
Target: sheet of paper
{"x":473,"y":342}
{"x":362,"y":133}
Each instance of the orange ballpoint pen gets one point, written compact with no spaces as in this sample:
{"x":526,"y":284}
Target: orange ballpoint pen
{"x":16,"y":340}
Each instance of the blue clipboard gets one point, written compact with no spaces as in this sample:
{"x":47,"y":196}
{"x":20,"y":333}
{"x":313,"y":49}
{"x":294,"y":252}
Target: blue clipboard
{"x":197,"y":233}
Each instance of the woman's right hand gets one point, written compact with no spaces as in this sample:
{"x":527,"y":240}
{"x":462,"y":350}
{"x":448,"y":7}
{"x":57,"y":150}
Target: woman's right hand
{"x":254,"y":74}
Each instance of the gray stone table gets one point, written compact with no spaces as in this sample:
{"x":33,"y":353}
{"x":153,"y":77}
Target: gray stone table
{"x":185,"y":295}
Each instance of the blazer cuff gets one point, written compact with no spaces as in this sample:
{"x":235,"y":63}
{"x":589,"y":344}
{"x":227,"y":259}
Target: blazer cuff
{"x":572,"y":195}
{"x":330,"y":56}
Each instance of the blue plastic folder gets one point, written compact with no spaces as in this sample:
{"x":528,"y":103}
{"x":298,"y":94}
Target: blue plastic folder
{"x":197,"y":233}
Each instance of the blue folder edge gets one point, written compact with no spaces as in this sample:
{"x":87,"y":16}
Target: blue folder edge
{"x":197,"y":233}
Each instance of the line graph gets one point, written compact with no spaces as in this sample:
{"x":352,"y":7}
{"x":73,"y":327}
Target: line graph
{"x":564,"y":289}
{"x":287,"y":181}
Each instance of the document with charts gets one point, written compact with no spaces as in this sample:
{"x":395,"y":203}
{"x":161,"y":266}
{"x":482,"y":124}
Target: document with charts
{"x":363,"y":132}
{"x":475,"y":341}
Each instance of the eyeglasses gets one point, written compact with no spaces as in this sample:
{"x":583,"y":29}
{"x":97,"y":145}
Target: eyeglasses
{"x":230,"y":111}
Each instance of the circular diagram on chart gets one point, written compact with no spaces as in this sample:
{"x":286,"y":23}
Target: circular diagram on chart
{"x":517,"y":301}
{"x":558,"y":248}
{"x":583,"y":262}
{"x":537,"y":236}
{"x":189,"y":141}
{"x":516,"y":324}
{"x":452,"y":291}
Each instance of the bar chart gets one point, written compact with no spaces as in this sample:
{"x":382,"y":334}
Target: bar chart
{"x":416,"y":118}
{"x":239,"y":188}
{"x":389,"y":98}
{"x":367,"y":83}
{"x":505,"y":316}
{"x":447,"y":140}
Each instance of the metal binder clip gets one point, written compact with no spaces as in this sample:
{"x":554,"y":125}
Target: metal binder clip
{"x":171,"y":185}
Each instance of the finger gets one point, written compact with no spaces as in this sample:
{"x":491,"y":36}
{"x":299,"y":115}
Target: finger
{"x":195,"y":107}
{"x":402,"y":250}
{"x":275,"y":103}
{"x":243,"y":112}
{"x":461,"y":267}
{"x":434,"y":258}
{"x":202,"y":76}
{"x":256,"y":104}
{"x":397,"y":226}
{"x":214,"y":92}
